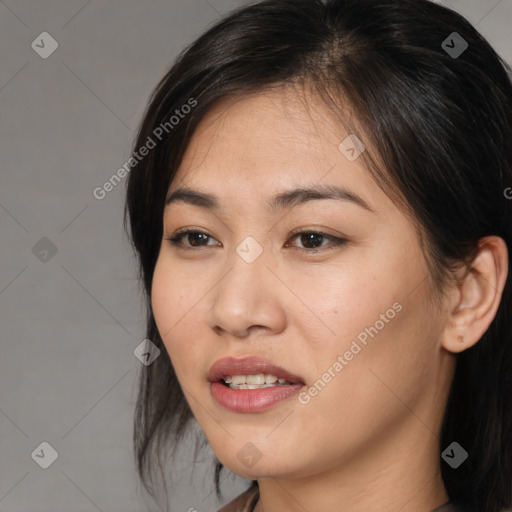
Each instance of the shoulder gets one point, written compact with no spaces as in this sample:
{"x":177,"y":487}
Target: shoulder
{"x":243,"y":502}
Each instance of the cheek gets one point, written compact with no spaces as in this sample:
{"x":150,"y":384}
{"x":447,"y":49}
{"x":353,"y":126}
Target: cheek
{"x":378,"y":377}
{"x":163,"y":292}
{"x":334,"y":303}
{"x":173,"y":309}
{"x":371,"y":308}
{"x":389,"y":352}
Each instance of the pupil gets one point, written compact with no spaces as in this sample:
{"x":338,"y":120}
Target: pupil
{"x":196,"y":235}
{"x":311,"y":237}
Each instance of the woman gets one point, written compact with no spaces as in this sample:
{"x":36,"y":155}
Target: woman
{"x":320,"y":211}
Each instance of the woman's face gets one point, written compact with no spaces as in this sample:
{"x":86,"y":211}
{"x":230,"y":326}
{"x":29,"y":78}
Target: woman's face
{"x":351,"y":321}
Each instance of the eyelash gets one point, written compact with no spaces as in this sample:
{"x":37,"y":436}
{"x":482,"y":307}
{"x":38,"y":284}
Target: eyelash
{"x":176,"y":240}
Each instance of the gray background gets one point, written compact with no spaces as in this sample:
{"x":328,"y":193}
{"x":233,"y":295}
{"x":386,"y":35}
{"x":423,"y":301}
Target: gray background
{"x":71,"y":321}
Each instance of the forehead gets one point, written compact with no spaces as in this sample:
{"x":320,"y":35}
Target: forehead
{"x":282,"y":123}
{"x":267,"y":142}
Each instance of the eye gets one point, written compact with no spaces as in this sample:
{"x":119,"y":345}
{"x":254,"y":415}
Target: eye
{"x":309,"y":238}
{"x":196,"y":238}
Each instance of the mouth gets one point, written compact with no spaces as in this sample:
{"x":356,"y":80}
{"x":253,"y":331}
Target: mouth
{"x":251,"y":384}
{"x":251,"y":371}
{"x":255,"y":381}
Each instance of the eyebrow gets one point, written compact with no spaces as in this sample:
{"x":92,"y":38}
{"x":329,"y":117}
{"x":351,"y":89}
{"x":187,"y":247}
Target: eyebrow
{"x":280,"y":201}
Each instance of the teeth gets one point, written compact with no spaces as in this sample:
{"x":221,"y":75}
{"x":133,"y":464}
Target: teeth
{"x":254,"y":381}
{"x":252,"y":386}
{"x":259,"y":378}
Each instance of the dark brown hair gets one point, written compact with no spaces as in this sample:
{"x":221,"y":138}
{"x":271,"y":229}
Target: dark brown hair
{"x":442,"y":128}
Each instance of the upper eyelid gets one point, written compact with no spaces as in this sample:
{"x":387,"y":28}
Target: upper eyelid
{"x":299,"y":231}
{"x":313,"y":229}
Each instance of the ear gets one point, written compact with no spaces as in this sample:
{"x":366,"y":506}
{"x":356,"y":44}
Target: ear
{"x":475,"y":299}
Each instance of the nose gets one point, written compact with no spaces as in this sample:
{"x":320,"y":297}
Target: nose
{"x":248,"y":298}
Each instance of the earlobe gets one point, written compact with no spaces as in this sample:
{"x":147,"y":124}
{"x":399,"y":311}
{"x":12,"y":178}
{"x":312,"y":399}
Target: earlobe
{"x":478,"y":296}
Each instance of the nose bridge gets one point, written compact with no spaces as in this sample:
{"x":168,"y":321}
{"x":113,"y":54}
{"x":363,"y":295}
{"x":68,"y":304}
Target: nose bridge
{"x":245,"y":296}
{"x":246,"y":278}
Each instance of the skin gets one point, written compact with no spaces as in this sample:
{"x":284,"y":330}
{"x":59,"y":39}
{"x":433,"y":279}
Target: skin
{"x":369,"y":440}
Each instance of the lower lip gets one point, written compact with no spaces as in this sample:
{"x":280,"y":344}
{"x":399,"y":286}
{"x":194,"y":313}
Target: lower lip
{"x":251,"y":400}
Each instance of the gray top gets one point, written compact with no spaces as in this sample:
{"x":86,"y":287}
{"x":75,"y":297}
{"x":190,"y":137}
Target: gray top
{"x":246,"y":502}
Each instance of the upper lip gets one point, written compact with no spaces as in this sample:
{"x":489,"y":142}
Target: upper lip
{"x":230,"y":366}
